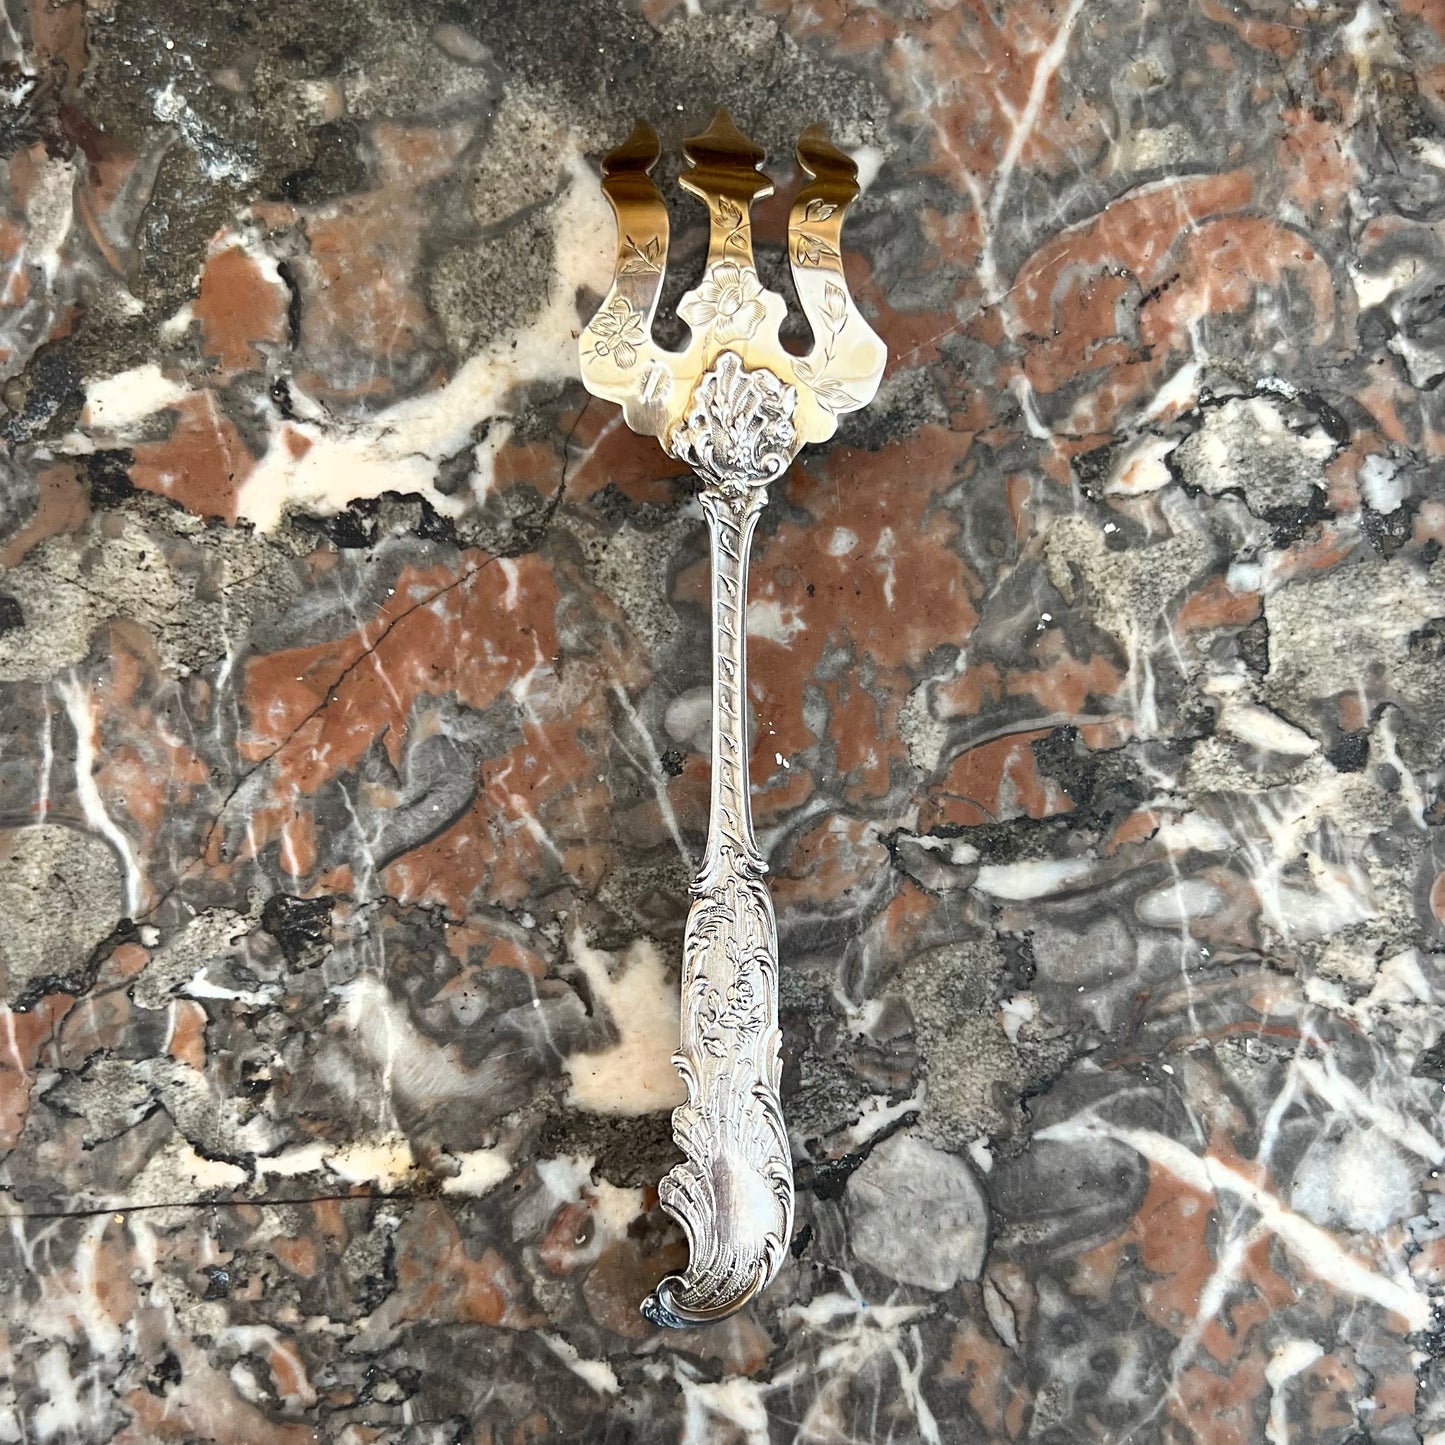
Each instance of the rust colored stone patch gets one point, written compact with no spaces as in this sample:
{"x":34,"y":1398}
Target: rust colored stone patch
{"x":28,"y":1033}
{"x":239,"y":308}
{"x":473,"y":631}
{"x":202,"y":463}
{"x":446,"y":1284}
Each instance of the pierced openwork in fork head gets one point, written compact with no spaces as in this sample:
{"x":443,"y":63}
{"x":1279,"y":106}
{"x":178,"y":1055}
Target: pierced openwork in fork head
{"x":736,"y":408}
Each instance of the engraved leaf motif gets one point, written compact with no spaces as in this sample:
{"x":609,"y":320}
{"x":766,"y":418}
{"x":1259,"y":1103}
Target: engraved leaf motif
{"x":644,"y":259}
{"x":710,"y":1019}
{"x":834,"y":396}
{"x":729,"y":213}
{"x":810,"y":250}
{"x":835,"y":305}
{"x":818,"y":210}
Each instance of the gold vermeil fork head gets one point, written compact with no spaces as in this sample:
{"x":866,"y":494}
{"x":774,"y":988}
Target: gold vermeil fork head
{"x":732,"y":404}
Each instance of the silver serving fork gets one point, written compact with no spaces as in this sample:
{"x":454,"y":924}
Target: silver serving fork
{"x":736,"y":408}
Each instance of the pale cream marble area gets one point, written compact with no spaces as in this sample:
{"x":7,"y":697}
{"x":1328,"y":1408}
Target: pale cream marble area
{"x":635,"y":1075}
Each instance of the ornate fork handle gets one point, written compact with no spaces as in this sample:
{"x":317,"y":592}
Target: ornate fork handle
{"x":736,"y":407}
{"x":734,"y":1194}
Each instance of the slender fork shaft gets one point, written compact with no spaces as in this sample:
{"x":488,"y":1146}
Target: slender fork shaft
{"x":734,"y":1193}
{"x":730,"y":534}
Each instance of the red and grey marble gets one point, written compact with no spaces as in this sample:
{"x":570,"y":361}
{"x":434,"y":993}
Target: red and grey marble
{"x":353,"y":689}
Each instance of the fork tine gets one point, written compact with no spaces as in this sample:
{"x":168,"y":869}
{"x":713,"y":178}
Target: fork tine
{"x":725,"y":173}
{"x":847,"y":358}
{"x":642,"y":227}
{"x":619,"y":359}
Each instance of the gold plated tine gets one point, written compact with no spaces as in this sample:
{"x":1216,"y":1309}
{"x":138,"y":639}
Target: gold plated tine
{"x":617,"y":347}
{"x":815,"y":256}
{"x":641,"y":220}
{"x":736,"y":408}
{"x":725,"y":176}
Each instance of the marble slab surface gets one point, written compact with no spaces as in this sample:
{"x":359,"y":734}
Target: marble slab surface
{"x":353,"y":752}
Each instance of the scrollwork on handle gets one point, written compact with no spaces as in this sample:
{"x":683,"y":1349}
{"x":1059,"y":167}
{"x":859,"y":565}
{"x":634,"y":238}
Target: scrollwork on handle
{"x":734,"y":1194}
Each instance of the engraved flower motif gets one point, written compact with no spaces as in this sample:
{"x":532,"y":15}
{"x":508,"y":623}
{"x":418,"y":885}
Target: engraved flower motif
{"x":728,"y":301}
{"x":617,"y":331}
